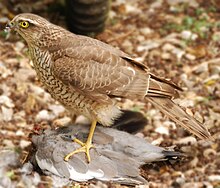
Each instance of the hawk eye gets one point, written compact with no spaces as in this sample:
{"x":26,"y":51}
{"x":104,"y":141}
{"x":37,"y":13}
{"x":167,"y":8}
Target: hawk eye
{"x":24,"y":24}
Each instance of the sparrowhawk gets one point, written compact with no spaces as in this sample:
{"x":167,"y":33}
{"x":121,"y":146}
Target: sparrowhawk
{"x":85,"y":75}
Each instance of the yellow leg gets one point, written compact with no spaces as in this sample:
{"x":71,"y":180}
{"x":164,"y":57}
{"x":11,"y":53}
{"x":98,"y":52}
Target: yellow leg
{"x":85,"y":146}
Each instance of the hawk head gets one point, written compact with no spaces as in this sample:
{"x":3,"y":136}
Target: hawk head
{"x":30,"y":26}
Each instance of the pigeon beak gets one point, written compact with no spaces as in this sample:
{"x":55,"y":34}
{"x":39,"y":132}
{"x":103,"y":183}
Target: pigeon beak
{"x":9,"y":26}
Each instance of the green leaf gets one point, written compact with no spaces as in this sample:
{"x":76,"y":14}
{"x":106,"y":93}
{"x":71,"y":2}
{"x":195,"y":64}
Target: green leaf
{"x":10,"y":174}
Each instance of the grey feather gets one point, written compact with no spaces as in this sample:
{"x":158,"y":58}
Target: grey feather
{"x":118,"y":158}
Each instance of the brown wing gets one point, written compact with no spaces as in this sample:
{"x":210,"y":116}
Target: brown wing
{"x":96,"y":70}
{"x":107,"y":70}
{"x":99,"y":72}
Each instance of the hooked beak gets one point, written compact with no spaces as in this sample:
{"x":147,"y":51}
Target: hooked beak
{"x":9,"y":26}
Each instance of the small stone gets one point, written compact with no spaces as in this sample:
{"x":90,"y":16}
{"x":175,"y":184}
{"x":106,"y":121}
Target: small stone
{"x":19,"y":46}
{"x":157,"y":142}
{"x":168,"y":47}
{"x":188,"y":35}
{"x":7,"y":113}
{"x":152,"y":112}
{"x":4,"y":72}
{"x":190,"y":57}
{"x":139,"y":59}
{"x":112,"y":14}
{"x":201,"y":68}
{"x":165,"y":56}
{"x":36,"y":89}
{"x":140,"y":38}
{"x":186,"y":103}
{"x":178,"y":52}
{"x":4,"y":100}
{"x":44,"y":115}
{"x":207,"y":184}
{"x":24,"y":143}
{"x":186,"y":140}
{"x":162,"y":130}
{"x":82,"y":120}
{"x":19,"y":133}
{"x":215,"y":178}
{"x":156,"y":4}
{"x":189,"y":84}
{"x":169,"y":124}
{"x":148,"y":45}
{"x":145,"y":31}
{"x":132,"y":9}
{"x":8,"y":157}
{"x":56,"y":109}
{"x":180,"y":180}
{"x":189,"y":172}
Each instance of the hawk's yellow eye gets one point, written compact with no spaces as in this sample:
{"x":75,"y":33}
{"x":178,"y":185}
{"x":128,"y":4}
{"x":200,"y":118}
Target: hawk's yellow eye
{"x":24,"y":24}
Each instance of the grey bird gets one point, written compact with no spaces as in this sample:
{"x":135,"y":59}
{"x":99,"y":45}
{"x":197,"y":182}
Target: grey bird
{"x":85,"y":75}
{"x":117,"y":155}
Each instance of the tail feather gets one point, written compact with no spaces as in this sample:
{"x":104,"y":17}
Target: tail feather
{"x":178,"y":115}
{"x":172,"y":154}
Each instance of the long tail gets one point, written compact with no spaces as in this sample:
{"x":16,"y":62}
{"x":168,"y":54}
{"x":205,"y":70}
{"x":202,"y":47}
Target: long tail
{"x":178,"y":115}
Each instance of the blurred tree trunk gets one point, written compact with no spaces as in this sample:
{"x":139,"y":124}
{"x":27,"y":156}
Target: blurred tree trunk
{"x":87,"y":17}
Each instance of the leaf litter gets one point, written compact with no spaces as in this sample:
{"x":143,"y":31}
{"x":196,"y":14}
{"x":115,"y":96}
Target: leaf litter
{"x":177,"y":39}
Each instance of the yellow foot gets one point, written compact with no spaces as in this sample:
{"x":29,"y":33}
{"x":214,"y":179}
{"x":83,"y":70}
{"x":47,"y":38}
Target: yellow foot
{"x":85,"y":148}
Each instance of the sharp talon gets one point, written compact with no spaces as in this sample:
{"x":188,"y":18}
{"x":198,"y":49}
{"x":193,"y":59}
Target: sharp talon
{"x":85,"y":146}
{"x":85,"y":149}
{"x":79,"y":142}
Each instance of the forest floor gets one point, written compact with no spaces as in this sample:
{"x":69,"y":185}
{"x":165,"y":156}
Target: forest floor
{"x":177,"y":39}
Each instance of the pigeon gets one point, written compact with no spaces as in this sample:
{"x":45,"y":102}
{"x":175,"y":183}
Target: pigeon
{"x":116,"y":157}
